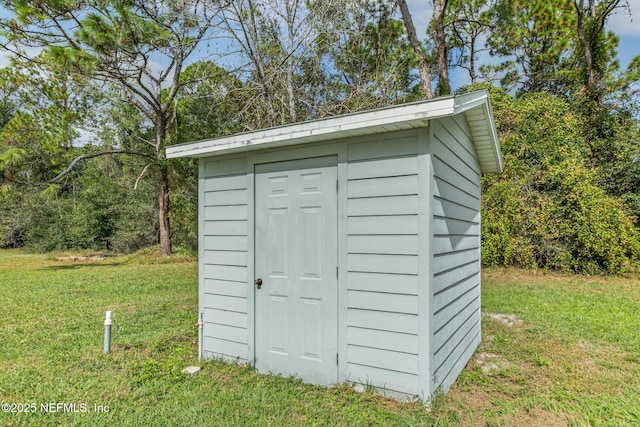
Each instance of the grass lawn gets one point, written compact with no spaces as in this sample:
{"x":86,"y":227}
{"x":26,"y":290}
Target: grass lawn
{"x":557,"y":350}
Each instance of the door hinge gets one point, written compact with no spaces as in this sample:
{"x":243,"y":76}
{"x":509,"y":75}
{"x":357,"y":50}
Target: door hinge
{"x":336,"y":272}
{"x":336,"y":185}
{"x":336,"y":358}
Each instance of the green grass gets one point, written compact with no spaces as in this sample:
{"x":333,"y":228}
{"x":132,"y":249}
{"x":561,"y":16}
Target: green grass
{"x":573,"y":359}
{"x":51,"y":342}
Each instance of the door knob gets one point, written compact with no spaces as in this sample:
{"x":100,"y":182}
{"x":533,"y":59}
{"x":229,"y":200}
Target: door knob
{"x":258,"y":282}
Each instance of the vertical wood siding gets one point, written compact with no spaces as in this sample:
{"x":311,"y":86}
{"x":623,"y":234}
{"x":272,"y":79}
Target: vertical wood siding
{"x":223,"y":265}
{"x":456,"y":249}
{"x":382,"y":262}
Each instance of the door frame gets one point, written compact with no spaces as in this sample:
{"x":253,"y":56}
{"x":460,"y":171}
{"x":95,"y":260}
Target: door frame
{"x":339,"y":150}
{"x":323,"y":370}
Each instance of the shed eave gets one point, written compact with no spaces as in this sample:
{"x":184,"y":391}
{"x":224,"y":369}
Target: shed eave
{"x":399,"y":117}
{"x":477,"y":108}
{"x":407,"y":116}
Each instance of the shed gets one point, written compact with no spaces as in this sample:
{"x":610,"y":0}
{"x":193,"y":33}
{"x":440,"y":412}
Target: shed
{"x":347,"y":248}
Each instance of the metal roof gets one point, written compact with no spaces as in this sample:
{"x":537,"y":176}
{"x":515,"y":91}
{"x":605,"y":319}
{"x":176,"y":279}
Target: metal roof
{"x":474,"y":105}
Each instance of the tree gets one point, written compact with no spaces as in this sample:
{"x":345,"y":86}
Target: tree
{"x":466,"y":24}
{"x":551,"y":208}
{"x":137,"y":47}
{"x":595,"y":58}
{"x":590,"y":26}
{"x":280,"y":47}
{"x":82,"y":209}
{"x":534,"y":37}
{"x":442,"y":49}
{"x":8,"y":87}
{"x":371,"y":59}
{"x":242,"y":22}
{"x":424,"y":66}
{"x":37,"y":139}
{"x":438,"y":28}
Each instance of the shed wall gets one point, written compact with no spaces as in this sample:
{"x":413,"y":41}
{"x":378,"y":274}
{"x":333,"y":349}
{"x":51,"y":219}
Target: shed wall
{"x":382,"y":258}
{"x":383,"y":271}
{"x":456,"y":249}
{"x":223,"y":258}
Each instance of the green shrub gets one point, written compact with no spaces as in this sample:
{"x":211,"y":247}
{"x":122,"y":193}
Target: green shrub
{"x":550,"y":208}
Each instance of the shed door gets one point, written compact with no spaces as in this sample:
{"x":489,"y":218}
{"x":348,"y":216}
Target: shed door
{"x":296,"y":259}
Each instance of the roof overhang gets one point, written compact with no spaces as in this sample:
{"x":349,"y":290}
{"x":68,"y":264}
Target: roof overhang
{"x":474,"y":105}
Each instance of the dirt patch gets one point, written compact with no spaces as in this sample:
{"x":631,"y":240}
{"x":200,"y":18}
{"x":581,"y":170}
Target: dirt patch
{"x":99,"y":257}
{"x":509,"y":320}
{"x":490,"y":363}
{"x":477,"y":405}
{"x":538,"y":417}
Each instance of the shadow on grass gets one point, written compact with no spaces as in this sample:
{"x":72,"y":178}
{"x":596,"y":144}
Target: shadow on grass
{"x":79,"y":265}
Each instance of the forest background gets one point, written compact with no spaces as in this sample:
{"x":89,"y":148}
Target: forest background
{"x":96,"y":90}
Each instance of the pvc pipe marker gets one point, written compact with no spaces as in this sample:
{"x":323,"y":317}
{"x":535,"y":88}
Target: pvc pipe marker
{"x":107,"y":333}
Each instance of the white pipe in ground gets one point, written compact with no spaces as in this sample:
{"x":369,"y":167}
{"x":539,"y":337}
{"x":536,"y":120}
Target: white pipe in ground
{"x":107,"y":333}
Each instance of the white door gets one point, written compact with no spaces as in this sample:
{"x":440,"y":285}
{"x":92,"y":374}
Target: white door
{"x":296,"y":263}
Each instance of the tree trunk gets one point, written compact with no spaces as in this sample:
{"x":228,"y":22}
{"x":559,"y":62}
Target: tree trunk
{"x":421,"y":58}
{"x":163,"y":189}
{"x":472,"y":60}
{"x":597,"y":16}
{"x":163,"y":211}
{"x":253,"y":45}
{"x":586,"y":47}
{"x":439,"y":8}
{"x":291,"y":21}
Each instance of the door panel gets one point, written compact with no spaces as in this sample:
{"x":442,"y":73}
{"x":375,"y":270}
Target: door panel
{"x":311,"y":329}
{"x":279,"y":324}
{"x":296,"y":258}
{"x":311,"y":242}
{"x":277,"y":241}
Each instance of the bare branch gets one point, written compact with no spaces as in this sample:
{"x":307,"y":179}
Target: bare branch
{"x":144,"y":171}
{"x":78,"y":159}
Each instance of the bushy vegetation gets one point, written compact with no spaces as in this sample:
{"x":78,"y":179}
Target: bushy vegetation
{"x":557,"y":205}
{"x":552,"y":207}
{"x":99,"y":210}
{"x":95,"y":98}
